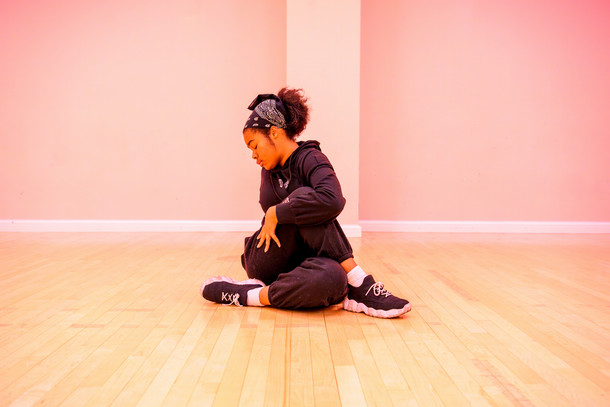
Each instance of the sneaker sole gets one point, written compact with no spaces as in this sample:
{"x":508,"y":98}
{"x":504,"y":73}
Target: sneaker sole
{"x":353,"y":306}
{"x":229,"y":280}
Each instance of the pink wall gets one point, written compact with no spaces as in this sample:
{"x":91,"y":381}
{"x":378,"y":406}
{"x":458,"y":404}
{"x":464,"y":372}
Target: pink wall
{"x":469,"y":110}
{"x":485,"y":110}
{"x":133,"y":109}
{"x":323,"y":57}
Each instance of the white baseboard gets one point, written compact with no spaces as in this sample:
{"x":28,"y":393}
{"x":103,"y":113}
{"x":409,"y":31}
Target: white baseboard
{"x":484,"y":227}
{"x":351,"y":230}
{"x":128,"y":226}
{"x":143,"y":226}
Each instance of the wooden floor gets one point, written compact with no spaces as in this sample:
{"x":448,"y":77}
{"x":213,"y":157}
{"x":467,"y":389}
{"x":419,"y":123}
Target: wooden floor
{"x":116,"y":320}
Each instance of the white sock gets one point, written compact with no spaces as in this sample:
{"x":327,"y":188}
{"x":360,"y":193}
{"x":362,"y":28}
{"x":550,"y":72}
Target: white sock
{"x":356,"y":276}
{"x":253,"y":300}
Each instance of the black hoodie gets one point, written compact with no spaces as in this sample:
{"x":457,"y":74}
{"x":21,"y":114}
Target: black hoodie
{"x":305,"y":189}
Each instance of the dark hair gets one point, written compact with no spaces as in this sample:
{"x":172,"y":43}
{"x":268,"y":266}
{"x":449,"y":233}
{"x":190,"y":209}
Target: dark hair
{"x":297,"y":111}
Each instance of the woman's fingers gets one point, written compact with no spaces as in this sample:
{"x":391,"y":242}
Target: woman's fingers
{"x":274,"y":237}
{"x":260,"y":240}
{"x":265,"y":239}
{"x":267,"y":243}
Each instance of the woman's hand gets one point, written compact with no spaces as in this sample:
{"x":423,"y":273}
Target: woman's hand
{"x":268,"y":230}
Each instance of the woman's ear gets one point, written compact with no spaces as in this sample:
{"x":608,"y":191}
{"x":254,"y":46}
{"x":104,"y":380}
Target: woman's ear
{"x":274,"y":132}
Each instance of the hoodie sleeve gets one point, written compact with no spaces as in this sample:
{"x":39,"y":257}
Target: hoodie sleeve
{"x":316,"y":204}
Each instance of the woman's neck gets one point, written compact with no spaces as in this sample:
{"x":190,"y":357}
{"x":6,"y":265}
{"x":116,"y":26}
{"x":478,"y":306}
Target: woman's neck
{"x":291,"y":146}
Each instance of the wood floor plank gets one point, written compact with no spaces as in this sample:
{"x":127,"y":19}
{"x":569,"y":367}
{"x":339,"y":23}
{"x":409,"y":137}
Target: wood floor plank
{"x":116,"y":319}
{"x":278,"y":379}
{"x":350,"y":388}
{"x":301,"y":371}
{"x":209,"y":382}
{"x":255,"y":382}
{"x":232,"y":381}
{"x":325,"y":388}
{"x":190,"y":374}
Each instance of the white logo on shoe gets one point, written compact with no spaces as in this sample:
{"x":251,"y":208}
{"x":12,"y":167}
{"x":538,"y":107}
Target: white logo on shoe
{"x":378,"y":290}
{"x":230,"y":298}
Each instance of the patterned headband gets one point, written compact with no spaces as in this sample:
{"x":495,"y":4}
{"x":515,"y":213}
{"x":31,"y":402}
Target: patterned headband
{"x":267,"y":110}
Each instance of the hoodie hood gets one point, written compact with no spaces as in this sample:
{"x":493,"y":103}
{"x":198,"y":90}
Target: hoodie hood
{"x":303,"y":147}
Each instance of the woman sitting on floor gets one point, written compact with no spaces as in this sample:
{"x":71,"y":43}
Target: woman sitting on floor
{"x":300,"y":258}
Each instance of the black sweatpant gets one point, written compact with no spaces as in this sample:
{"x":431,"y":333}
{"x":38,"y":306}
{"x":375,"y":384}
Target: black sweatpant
{"x":305,"y":272}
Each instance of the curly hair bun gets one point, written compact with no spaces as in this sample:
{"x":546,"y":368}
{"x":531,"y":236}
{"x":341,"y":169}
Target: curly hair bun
{"x":297,"y":110}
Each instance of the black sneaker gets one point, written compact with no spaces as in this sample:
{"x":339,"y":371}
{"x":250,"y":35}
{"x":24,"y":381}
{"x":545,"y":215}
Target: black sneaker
{"x":374,"y":300}
{"x":225,"y":290}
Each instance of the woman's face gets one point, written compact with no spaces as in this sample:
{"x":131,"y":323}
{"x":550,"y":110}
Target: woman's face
{"x":263,"y":149}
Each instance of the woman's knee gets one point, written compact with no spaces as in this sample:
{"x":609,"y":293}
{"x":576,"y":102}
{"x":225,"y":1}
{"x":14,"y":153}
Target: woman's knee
{"x":327,"y":240}
{"x":266,"y":266}
{"x":328,"y":275}
{"x":317,"y":282}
